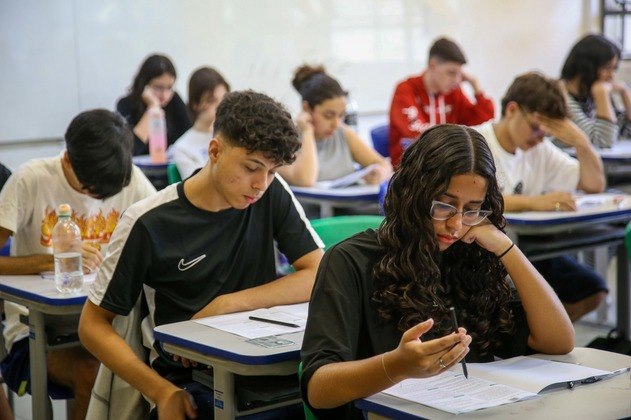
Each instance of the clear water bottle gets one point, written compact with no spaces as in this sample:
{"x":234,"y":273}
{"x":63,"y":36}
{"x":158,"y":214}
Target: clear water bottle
{"x":157,"y":136}
{"x":67,"y":252}
{"x":350,"y":116}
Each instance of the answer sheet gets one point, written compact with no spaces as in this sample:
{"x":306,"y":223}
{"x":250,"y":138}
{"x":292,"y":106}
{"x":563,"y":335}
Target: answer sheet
{"x":453,"y":393}
{"x":240,"y":324}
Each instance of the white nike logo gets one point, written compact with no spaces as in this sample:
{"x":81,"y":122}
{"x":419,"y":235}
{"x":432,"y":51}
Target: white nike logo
{"x":183,"y":266}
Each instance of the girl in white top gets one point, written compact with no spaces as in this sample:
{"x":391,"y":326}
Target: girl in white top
{"x":320,"y":123}
{"x":206,"y":89}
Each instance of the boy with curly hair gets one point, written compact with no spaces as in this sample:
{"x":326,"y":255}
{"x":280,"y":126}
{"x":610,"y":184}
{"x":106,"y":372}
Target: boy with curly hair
{"x":205,"y":247}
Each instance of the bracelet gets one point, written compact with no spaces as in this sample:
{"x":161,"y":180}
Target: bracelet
{"x":506,"y":252}
{"x":383,"y":355}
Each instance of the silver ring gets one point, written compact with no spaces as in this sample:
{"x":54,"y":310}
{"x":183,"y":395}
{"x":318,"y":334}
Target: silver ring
{"x":557,"y":206}
{"x":441,"y":363}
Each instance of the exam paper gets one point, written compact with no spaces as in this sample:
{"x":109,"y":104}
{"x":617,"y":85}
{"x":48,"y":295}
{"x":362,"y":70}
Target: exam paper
{"x":589,"y":200}
{"x":532,"y":374}
{"x":453,"y":393}
{"x":240,"y":324}
{"x":347,"y":180}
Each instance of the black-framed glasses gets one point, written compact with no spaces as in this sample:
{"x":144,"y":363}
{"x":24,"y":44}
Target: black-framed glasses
{"x":443,"y":211}
{"x":535,"y":127}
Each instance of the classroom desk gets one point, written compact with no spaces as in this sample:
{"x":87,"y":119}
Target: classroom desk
{"x":42,"y":299}
{"x":156,"y":173}
{"x":229,"y":354}
{"x":610,"y":398}
{"x":543,"y":235}
{"x":330,"y":198}
{"x":616,"y":160}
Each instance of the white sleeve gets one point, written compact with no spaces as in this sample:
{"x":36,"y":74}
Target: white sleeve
{"x":142,"y":186}
{"x":186,"y":165}
{"x":562,"y":170}
{"x":10,"y":204}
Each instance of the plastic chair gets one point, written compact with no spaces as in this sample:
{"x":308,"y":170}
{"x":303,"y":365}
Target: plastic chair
{"x":335,"y":229}
{"x":308,"y":413}
{"x":383,"y":189}
{"x":4,"y":251}
{"x":380,"y":139}
{"x":173,"y":174}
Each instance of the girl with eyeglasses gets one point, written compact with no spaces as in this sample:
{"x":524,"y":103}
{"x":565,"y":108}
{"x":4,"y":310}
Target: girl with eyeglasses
{"x":589,"y":77}
{"x":379,"y":311}
{"x":153,"y":88}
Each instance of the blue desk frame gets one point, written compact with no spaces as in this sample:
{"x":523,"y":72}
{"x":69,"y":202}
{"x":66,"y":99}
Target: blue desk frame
{"x":230,"y":354}
{"x":41,"y":298}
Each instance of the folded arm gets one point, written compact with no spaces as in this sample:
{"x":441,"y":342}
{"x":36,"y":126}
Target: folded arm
{"x":292,"y":288}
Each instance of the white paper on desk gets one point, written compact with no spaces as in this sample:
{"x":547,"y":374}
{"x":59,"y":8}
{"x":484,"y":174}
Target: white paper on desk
{"x":589,"y":200}
{"x":241,"y":325}
{"x":347,"y":180}
{"x":532,"y":374}
{"x":453,"y":393}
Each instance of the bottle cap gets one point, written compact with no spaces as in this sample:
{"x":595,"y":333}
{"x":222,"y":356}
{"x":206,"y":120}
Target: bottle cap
{"x":64,"y":210}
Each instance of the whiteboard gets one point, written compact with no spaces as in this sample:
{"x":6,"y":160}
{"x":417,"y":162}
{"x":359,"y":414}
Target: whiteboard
{"x":65,"y":56}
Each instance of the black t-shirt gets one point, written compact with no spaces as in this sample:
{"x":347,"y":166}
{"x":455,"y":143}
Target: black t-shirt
{"x":343,"y":324}
{"x":5,"y":173}
{"x":175,"y":114}
{"x":183,"y":257}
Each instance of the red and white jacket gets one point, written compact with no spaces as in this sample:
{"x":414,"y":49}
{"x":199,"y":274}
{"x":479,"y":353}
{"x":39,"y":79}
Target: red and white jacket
{"x":413,"y":111}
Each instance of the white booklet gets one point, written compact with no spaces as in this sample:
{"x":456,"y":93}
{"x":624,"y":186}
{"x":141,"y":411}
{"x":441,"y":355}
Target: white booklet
{"x":261,"y":322}
{"x":496,"y":383}
{"x":347,"y":180}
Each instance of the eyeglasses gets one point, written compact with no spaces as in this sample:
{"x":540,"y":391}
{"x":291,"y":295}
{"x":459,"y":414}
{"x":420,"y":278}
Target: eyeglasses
{"x":444,"y":211}
{"x":160,"y":89}
{"x":536,"y":129}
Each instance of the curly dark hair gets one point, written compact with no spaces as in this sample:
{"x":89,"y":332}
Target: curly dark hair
{"x":154,"y":66}
{"x":257,"y":123}
{"x":588,"y":55}
{"x":413,"y":279}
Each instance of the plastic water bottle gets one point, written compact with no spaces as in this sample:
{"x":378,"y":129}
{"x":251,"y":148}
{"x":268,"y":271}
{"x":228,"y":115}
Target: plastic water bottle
{"x":157,"y":136}
{"x":350,"y":116}
{"x":67,"y":252}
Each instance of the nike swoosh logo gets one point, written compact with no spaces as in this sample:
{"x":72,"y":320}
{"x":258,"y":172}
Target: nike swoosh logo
{"x":183,"y":266}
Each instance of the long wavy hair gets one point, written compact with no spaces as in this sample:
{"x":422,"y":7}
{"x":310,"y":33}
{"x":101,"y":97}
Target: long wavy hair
{"x":586,"y":57}
{"x":154,"y":66}
{"x":413,"y":279}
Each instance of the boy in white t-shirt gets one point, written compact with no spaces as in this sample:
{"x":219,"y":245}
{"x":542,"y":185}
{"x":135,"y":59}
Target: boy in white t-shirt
{"x":533,"y":174}
{"x":96,"y":177}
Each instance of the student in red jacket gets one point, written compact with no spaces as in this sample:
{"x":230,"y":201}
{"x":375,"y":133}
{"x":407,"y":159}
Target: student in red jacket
{"x":435,"y":97}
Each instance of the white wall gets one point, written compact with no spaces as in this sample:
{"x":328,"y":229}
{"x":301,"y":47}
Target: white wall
{"x":61,"y":57}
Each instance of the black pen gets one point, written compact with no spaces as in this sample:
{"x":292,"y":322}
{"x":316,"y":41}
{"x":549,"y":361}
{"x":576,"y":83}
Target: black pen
{"x":454,"y":321}
{"x":273,"y":321}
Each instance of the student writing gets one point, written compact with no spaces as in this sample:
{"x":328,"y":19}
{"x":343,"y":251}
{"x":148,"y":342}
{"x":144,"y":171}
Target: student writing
{"x":205,"y":247}
{"x":330,"y":149}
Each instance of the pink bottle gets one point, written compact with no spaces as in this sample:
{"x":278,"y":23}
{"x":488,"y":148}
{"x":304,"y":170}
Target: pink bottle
{"x":157,"y":136}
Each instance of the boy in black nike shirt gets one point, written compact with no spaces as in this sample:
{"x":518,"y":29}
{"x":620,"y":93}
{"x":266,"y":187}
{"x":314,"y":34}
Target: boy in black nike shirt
{"x":180,"y":245}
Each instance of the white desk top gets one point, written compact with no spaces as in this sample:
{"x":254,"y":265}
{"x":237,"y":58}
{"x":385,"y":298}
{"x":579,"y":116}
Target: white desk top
{"x":609,"y":211}
{"x":214,"y":343}
{"x":35,"y":288}
{"x":620,"y":151}
{"x":610,"y":398}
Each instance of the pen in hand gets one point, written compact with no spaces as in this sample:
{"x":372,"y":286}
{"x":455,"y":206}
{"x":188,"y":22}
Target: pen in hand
{"x":273,"y":321}
{"x":454,"y":321}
